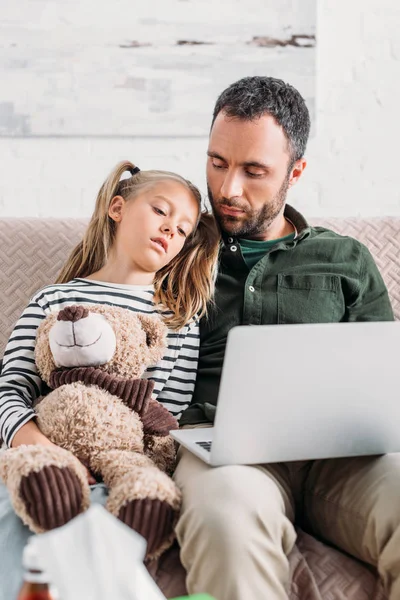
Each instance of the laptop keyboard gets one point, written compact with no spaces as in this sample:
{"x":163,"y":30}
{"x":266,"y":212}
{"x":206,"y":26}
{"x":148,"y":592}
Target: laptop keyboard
{"x":205,"y":445}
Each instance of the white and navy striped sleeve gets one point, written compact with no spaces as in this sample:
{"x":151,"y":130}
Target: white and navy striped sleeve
{"x":20,"y":382}
{"x":174,"y":382}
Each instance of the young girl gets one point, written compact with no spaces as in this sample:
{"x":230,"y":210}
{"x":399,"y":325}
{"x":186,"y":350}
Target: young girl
{"x":148,"y":248}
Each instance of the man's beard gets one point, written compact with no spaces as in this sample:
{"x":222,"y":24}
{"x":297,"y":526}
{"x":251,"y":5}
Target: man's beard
{"x":254,"y":222}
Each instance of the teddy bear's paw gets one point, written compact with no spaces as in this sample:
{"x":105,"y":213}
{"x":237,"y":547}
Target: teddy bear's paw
{"x":157,"y":420}
{"x":154,"y":520}
{"x":48,"y":485}
{"x":52,"y":496}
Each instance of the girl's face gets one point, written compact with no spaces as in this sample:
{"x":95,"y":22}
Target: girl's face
{"x":152,"y":227}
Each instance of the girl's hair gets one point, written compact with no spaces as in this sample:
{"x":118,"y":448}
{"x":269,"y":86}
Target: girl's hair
{"x":186,"y":284}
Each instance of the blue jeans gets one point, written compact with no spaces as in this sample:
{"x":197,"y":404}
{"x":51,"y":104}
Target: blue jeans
{"x":13,"y":537}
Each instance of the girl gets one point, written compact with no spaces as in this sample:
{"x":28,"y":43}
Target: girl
{"x":148,"y":248}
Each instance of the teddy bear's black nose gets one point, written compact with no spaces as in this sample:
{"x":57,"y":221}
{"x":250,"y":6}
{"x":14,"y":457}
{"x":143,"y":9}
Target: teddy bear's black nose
{"x":73,"y":313}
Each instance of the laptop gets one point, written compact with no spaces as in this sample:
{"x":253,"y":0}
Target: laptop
{"x":300,"y":392}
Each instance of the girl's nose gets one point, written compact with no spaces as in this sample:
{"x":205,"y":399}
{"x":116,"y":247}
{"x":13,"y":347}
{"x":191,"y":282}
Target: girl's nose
{"x":166,"y":228}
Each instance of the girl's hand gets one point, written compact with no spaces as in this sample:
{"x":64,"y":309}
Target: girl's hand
{"x":30,"y":434}
{"x":90,"y":479}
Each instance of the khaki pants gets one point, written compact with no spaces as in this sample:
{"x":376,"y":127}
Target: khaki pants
{"x":236,"y":526}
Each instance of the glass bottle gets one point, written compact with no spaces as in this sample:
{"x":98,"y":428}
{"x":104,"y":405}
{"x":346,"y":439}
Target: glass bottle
{"x":35,"y":585}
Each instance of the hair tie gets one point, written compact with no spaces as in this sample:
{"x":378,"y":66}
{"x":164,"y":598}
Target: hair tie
{"x":134,"y":170}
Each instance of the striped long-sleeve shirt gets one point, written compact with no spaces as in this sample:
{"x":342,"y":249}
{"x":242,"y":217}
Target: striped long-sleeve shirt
{"x":20,"y":382}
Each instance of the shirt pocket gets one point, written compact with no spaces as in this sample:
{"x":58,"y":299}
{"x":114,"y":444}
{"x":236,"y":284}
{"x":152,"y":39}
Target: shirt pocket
{"x":309,"y":298}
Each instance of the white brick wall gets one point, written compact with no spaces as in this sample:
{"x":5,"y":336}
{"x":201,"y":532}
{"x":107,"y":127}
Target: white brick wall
{"x":352,"y":159}
{"x":88,"y":69}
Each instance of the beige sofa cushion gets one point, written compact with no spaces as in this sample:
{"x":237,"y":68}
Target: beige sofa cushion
{"x":32,"y":252}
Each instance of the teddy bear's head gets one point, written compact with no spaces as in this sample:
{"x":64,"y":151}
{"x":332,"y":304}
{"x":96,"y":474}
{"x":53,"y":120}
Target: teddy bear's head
{"x":113,"y":339}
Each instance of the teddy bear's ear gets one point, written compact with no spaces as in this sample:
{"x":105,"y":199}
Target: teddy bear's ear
{"x":43,"y":356}
{"x":156,"y":336}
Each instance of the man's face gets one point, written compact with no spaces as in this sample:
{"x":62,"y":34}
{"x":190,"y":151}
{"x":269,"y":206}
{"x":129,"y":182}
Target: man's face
{"x":248,"y":174}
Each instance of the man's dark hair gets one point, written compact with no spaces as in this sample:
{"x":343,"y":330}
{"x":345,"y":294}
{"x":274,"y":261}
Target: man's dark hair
{"x":252,"y":97}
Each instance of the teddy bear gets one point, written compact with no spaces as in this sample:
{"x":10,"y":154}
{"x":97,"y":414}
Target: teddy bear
{"x":100,"y":414}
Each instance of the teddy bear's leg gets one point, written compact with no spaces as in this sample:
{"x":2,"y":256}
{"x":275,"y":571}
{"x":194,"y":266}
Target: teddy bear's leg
{"x":47,"y":485}
{"x":141,"y":496}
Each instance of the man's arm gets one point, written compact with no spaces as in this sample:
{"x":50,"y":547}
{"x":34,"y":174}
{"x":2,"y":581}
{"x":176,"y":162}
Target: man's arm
{"x":371,"y":303}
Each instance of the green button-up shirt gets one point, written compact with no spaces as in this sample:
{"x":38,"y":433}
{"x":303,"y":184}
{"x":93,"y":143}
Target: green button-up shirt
{"x":318,"y":277}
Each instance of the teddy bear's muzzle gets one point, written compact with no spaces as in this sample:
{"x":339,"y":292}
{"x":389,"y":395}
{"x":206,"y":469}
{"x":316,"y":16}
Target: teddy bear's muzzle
{"x":89,"y":341}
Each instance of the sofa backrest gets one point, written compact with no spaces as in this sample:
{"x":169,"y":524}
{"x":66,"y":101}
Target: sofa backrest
{"x":32,"y":252}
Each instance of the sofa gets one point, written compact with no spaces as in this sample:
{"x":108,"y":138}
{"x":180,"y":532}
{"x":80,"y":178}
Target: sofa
{"x":31,"y":254}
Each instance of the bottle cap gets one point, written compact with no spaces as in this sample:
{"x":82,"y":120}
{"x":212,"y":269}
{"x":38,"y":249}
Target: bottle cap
{"x":31,"y":561}
{"x":30,"y":558}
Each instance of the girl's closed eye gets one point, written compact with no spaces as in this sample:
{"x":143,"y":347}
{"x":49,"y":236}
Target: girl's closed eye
{"x":159,"y":211}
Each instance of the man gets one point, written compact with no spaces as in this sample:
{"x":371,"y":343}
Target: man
{"x":236,"y":527}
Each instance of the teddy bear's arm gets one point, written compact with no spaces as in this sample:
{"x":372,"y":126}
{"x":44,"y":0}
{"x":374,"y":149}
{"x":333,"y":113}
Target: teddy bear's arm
{"x":157,"y":420}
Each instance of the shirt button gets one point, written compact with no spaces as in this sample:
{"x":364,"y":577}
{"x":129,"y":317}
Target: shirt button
{"x":233,"y":248}
{"x":230,"y":240}
{"x":251,"y":288}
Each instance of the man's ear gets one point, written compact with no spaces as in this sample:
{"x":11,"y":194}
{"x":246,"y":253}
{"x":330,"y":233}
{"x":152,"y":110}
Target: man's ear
{"x":116,"y":208}
{"x":297,"y":171}
{"x":156,"y":336}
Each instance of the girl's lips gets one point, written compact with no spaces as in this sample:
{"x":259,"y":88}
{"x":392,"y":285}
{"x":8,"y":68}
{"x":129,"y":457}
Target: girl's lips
{"x":160,"y":244}
{"x":233,"y":212}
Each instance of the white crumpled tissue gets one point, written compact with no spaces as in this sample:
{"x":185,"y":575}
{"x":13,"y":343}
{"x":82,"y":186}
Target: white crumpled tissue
{"x":96,"y":557}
